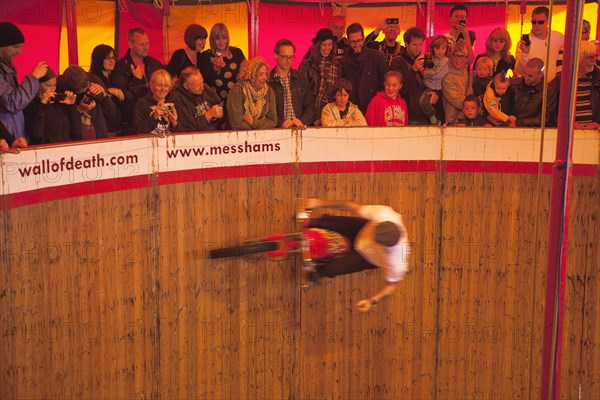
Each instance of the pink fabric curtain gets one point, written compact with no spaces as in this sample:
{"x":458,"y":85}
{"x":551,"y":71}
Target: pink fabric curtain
{"x":275,"y":19}
{"x":40,"y":22}
{"x":150,"y":19}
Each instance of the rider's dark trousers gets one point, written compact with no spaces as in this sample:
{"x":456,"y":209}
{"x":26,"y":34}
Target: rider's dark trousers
{"x":349,"y":227}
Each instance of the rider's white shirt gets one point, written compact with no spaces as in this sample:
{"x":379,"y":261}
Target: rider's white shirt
{"x":392,"y":260}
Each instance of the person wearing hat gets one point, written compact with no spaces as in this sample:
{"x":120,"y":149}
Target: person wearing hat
{"x":322,"y":68}
{"x":388,"y":46}
{"x":378,"y":240}
{"x":14,"y":97}
{"x":195,"y":39}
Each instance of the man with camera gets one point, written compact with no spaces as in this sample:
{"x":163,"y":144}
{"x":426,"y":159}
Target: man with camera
{"x":535,"y":44}
{"x":459,"y":33}
{"x":93,"y":106}
{"x":410,"y":62}
{"x":14,"y":97}
{"x":388,"y":46}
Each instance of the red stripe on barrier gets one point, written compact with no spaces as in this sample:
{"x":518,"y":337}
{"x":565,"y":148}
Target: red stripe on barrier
{"x":257,"y":170}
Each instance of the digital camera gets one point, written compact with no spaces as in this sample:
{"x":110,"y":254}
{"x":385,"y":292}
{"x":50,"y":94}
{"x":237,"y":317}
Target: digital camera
{"x":428,"y":61}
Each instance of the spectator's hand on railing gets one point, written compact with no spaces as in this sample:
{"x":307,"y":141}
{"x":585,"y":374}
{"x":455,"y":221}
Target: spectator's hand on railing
{"x":297,"y":123}
{"x":288,"y":123}
{"x":593,"y":125}
{"x":248,"y":119}
{"x":512,"y":121}
{"x":3,"y":145}
{"x":20,"y":142}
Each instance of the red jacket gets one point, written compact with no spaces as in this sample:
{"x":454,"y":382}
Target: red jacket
{"x":385,"y":111}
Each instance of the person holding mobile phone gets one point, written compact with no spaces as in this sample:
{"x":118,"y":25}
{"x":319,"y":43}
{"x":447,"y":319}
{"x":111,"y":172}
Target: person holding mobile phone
{"x":388,"y":46}
{"x":459,"y":33}
{"x":93,"y":106}
{"x":538,"y":42}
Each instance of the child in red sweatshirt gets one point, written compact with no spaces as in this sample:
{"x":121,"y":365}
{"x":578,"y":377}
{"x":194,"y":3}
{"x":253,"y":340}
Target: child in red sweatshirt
{"x":387,"y":108}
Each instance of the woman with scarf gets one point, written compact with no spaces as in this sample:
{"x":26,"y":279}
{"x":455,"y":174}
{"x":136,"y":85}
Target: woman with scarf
{"x":251,"y":102}
{"x":322,"y":68}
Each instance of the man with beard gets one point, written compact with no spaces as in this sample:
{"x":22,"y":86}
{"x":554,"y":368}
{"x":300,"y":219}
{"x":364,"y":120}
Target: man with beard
{"x":365,"y":68}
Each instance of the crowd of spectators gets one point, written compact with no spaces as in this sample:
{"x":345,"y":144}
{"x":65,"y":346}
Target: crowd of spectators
{"x":345,"y":79}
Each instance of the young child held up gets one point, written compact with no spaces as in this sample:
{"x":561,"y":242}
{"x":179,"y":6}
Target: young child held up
{"x":492,"y":100}
{"x":484,"y":67}
{"x":436,"y":68}
{"x":387,"y":108}
{"x":472,"y":113}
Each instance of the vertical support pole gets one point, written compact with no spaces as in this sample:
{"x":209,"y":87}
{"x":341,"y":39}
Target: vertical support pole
{"x":559,"y":209}
{"x":429,"y":28}
{"x":117,"y":28}
{"x":253,"y":21}
{"x":70,"y":12}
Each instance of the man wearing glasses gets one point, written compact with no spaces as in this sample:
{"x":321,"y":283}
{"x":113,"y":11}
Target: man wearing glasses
{"x":535,"y":45}
{"x":363,"y":67}
{"x":295,"y":102}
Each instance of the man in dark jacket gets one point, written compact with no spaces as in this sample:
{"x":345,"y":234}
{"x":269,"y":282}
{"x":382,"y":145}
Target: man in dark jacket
{"x":93,"y":105}
{"x":524,"y":96}
{"x":132,"y":73}
{"x":198,"y":105}
{"x":363,"y":67}
{"x":295,"y":102}
{"x":410,"y":63}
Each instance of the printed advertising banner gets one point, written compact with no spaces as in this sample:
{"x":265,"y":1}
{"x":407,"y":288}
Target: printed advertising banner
{"x":46,"y":173}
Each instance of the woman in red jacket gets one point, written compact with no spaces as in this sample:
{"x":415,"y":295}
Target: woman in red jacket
{"x":387,"y":108}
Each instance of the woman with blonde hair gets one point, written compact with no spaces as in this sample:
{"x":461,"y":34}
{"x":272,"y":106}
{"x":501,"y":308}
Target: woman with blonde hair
{"x":154,"y":113}
{"x":497,"y":47}
{"x":220,"y":64}
{"x":251,"y":102}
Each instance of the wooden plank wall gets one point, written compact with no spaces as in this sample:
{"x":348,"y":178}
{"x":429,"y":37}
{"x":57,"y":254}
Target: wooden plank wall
{"x":110,"y":295}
